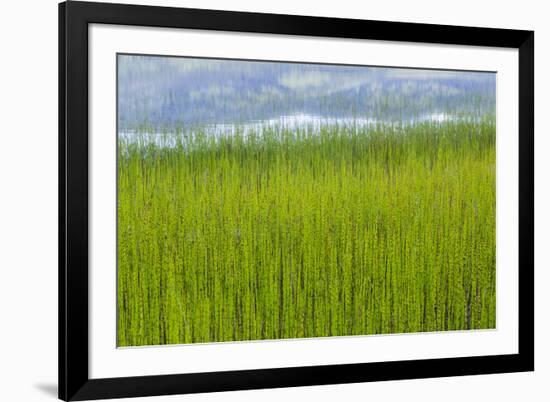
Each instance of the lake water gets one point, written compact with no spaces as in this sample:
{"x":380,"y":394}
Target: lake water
{"x":303,"y":122}
{"x":222,"y":96}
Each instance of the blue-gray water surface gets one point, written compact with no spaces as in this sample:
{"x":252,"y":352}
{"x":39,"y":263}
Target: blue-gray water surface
{"x":163,"y":95}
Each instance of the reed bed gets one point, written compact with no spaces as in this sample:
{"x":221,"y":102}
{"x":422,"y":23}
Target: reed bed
{"x":297,"y":234}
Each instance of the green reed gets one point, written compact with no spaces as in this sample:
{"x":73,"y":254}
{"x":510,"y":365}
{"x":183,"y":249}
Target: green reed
{"x":291,"y":234}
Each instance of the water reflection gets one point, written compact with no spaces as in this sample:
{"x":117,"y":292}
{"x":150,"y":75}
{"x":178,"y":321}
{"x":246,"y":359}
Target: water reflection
{"x":307,"y":124}
{"x":220,"y":96}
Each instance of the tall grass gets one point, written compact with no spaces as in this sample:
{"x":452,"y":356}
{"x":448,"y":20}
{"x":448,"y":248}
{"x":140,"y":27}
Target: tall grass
{"x":291,"y":234}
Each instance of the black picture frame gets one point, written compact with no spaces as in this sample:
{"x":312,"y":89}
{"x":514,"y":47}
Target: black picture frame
{"x":74,"y":381}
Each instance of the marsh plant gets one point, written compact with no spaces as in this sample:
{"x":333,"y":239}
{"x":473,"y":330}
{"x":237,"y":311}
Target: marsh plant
{"x":280,"y":233}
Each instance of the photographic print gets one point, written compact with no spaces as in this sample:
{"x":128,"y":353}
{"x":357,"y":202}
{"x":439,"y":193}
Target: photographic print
{"x":265,"y":200}
{"x":254,"y":201}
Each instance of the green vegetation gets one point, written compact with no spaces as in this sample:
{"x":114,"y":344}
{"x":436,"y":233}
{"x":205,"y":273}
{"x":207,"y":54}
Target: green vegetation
{"x":290,"y":235}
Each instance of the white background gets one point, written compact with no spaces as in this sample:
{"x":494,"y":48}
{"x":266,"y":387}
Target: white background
{"x":28,"y":199}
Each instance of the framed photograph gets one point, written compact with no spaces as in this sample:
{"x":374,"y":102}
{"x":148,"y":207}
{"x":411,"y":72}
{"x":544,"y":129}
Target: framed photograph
{"x":258,"y":201}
